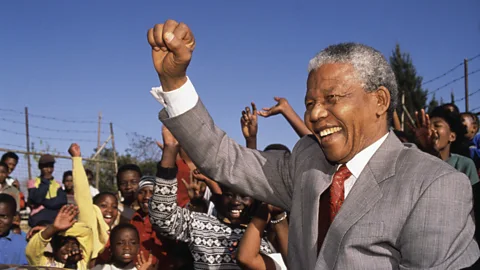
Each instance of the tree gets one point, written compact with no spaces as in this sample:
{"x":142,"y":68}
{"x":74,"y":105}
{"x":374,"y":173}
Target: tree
{"x":452,"y":97}
{"x":432,"y":104}
{"x":408,"y":82}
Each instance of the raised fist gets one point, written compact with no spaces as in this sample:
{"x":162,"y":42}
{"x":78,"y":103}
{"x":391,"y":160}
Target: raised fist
{"x":172,"y":46}
{"x":74,"y":150}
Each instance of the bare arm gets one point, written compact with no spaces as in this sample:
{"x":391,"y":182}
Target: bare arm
{"x":287,"y":111}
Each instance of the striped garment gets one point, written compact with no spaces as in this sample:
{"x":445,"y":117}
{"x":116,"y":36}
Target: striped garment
{"x":209,"y":239}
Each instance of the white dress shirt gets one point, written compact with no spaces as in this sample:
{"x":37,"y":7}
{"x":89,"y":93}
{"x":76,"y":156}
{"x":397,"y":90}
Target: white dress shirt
{"x":183,"y":99}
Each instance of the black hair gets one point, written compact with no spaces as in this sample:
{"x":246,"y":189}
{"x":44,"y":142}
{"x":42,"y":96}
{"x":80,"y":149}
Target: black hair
{"x":9,"y":201}
{"x":58,"y":241}
{"x":455,"y":108}
{"x":3,"y":164}
{"x":100,"y":195}
{"x":454,"y":121}
{"x":10,"y":155}
{"x":122,"y":226}
{"x":473,"y":116}
{"x":278,"y":147}
{"x":88,"y":171}
{"x":65,"y":175}
{"x":128,"y":167}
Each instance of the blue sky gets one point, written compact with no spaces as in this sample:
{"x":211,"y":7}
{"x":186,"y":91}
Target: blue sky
{"x":72,"y":59}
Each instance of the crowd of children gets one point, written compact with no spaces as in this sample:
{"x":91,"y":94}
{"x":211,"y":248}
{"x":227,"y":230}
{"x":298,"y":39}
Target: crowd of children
{"x":178,"y":218}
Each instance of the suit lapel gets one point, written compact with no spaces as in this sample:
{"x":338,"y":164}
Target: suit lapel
{"x":363,"y":196}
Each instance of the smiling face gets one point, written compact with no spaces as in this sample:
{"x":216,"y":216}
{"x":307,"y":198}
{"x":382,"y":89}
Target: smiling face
{"x":125,"y":246}
{"x":234,"y":206}
{"x":445,"y":135}
{"x":68,"y":244}
{"x":341,"y":114}
{"x":108,"y":205}
{"x":12,"y":163}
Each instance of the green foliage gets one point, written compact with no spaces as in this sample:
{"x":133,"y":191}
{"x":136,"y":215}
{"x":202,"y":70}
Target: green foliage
{"x":142,"y":151}
{"x":408,"y":82}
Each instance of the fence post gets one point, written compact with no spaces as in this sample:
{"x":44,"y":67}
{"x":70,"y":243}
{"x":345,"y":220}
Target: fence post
{"x":114,"y":154}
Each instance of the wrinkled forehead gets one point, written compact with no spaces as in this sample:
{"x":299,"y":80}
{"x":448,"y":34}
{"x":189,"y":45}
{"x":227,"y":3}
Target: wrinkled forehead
{"x":331,"y":75}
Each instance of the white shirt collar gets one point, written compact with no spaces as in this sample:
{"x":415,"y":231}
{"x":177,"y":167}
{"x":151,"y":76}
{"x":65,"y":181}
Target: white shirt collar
{"x":360,"y":160}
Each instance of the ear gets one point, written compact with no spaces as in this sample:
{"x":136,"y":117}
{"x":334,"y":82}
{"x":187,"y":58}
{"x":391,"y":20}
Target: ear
{"x":452,"y":137}
{"x":382,"y":97}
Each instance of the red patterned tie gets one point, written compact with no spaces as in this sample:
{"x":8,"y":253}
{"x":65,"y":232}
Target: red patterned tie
{"x":337,"y":190}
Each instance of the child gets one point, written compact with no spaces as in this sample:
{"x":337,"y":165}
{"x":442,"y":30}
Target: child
{"x":6,"y":188}
{"x":12,"y":246}
{"x":148,"y":238}
{"x":128,"y":177}
{"x":100,"y":212}
{"x":209,"y":237}
{"x":124,"y":247}
{"x":71,"y":242}
{"x":67,"y":181}
{"x":11,"y":159}
{"x":45,"y":195}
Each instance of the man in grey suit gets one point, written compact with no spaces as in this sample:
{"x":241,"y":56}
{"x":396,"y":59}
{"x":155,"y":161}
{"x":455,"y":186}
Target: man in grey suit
{"x":358,"y":197}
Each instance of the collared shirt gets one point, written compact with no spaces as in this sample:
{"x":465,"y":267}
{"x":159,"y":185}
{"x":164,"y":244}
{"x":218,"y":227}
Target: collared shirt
{"x":12,"y":249}
{"x":359,"y":161}
{"x":183,"y":99}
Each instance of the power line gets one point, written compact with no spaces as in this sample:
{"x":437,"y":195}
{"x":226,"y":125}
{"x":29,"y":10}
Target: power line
{"x":453,"y":81}
{"x":46,"y":138}
{"x":450,"y":70}
{"x":50,"y":129}
{"x":471,"y":94}
{"x":14,"y":145}
{"x":474,"y":109}
{"x":55,"y":118}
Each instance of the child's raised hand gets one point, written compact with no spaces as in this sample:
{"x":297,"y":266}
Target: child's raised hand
{"x":74,"y":150}
{"x":280,"y":107}
{"x":249,"y":122}
{"x":65,"y":218}
{"x":196,"y":188}
{"x":75,"y":255}
{"x":144,"y":263}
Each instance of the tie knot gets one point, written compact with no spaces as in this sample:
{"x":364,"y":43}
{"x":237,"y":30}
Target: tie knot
{"x":342,"y":174}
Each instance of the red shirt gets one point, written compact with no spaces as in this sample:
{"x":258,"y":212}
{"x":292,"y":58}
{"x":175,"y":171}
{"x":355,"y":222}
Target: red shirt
{"x":150,"y":243}
{"x":182,"y":192}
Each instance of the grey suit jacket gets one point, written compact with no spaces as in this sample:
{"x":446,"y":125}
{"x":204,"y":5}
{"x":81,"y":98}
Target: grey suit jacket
{"x":407,"y":209}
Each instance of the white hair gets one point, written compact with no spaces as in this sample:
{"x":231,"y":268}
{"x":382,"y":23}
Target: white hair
{"x":371,"y":67}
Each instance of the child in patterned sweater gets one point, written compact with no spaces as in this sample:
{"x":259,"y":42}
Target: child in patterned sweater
{"x":211,"y":238}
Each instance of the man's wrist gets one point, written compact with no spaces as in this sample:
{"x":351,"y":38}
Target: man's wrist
{"x":170,"y":84}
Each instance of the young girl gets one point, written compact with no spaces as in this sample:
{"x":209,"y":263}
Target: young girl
{"x":124,"y":246}
{"x":100,"y":212}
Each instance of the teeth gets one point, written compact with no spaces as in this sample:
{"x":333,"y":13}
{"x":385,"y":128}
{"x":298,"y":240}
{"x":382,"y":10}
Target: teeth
{"x":329,"y":131}
{"x":108,"y":216}
{"x":236,"y":211}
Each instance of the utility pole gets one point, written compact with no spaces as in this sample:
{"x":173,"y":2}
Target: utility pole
{"x":114,"y":153}
{"x":28,"y":144}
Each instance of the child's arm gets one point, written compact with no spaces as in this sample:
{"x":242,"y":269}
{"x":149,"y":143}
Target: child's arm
{"x":248,"y":253}
{"x":169,"y":219}
{"x":36,"y":246}
{"x":287,"y":111}
{"x":249,"y":126}
{"x":84,"y":201}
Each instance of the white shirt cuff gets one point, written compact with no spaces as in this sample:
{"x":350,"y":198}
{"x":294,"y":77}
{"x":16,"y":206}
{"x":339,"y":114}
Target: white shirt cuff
{"x":178,"y":101}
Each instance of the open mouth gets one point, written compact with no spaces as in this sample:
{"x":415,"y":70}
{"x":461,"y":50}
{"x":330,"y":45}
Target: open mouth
{"x":329,"y":131}
{"x":127,"y":256}
{"x":108,"y":218}
{"x":235,"y":213}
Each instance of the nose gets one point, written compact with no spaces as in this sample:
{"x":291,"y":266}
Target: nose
{"x":318,"y":112}
{"x":236,"y":200}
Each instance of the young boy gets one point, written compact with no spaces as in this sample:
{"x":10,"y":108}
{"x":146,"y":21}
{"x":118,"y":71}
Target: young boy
{"x":71,"y":242}
{"x":11,"y":159}
{"x":210,"y":238}
{"x":12,"y":246}
{"x":45,"y":195}
{"x":67,"y":181}
{"x":149,"y":240}
{"x":128,"y":177}
{"x":6,"y":188}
